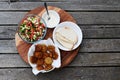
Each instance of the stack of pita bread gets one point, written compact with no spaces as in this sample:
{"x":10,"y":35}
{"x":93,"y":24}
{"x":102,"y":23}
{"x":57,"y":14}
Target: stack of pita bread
{"x":67,"y":37}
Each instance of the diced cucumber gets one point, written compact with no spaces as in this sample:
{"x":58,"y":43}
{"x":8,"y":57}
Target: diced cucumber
{"x":32,"y":19}
{"x":22,"y":30}
{"x":27,"y":27}
{"x":34,"y":37}
{"x":38,"y":33}
{"x":31,"y":40}
{"x":29,"y":18}
{"x":28,"y":33}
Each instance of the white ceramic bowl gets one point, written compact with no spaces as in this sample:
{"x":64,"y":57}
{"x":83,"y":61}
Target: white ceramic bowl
{"x":75,"y":27}
{"x":54,"y":18}
{"x":56,"y":63}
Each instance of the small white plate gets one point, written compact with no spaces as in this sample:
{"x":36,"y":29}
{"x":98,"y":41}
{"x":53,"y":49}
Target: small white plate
{"x":54,"y":18}
{"x":56,"y":63}
{"x":75,"y":27}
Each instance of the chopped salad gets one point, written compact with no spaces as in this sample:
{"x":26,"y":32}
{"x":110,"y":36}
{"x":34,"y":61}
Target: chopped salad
{"x":32,"y":29}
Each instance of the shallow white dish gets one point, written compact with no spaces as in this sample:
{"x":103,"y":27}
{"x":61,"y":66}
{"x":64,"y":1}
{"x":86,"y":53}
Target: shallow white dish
{"x":54,"y":18}
{"x":75,"y":27}
{"x":56,"y":63}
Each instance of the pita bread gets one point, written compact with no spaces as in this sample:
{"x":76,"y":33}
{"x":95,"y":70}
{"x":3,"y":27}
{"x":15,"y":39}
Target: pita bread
{"x":64,"y":43}
{"x":67,"y":37}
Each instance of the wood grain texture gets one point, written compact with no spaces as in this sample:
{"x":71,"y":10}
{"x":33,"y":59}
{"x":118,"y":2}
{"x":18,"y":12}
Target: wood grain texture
{"x":3,"y":0}
{"x":96,"y":17}
{"x":97,"y":59}
{"x":46,"y":0}
{"x":82,"y":59}
{"x":88,"y":45}
{"x":89,"y":31}
{"x":100,"y":45}
{"x":105,"y":33}
{"x":82,"y":5}
{"x":97,"y":73}
{"x":99,"y":56}
{"x":7,"y":32}
{"x":80,"y":17}
{"x":7,"y":46}
{"x":12,"y":60}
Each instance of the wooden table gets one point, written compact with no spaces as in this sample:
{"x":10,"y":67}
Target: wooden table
{"x":99,"y":56}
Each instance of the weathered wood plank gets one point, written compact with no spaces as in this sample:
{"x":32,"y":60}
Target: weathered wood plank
{"x":96,"y":17}
{"x":11,"y":17}
{"x":8,"y":31}
{"x":101,"y":73}
{"x":97,"y":59}
{"x":102,"y":33}
{"x":100,"y":45}
{"x":3,"y":0}
{"x":44,"y":0}
{"x":82,"y":59}
{"x":80,"y":17}
{"x":7,"y":46}
{"x":38,"y":0}
{"x":83,"y":5}
{"x":88,"y":45}
{"x":12,"y":60}
{"x":89,"y":31}
{"x":47,"y":0}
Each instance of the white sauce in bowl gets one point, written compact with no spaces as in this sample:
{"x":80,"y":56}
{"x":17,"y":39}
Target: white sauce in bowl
{"x":54,"y":18}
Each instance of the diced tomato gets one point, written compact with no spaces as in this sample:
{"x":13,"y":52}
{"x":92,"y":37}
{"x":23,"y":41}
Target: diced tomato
{"x":29,"y":23}
{"x":31,"y":36}
{"x":38,"y":29}
{"x":38,"y":25}
{"x":38,"y":20}
{"x":42,"y":25}
{"x":32,"y":31}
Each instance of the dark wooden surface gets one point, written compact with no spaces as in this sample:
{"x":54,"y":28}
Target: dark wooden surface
{"x":99,"y":56}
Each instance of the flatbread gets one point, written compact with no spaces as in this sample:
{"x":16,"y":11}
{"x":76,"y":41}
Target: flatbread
{"x":67,"y":37}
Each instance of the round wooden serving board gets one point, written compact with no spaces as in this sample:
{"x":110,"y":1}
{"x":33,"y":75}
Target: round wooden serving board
{"x":23,"y":47}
